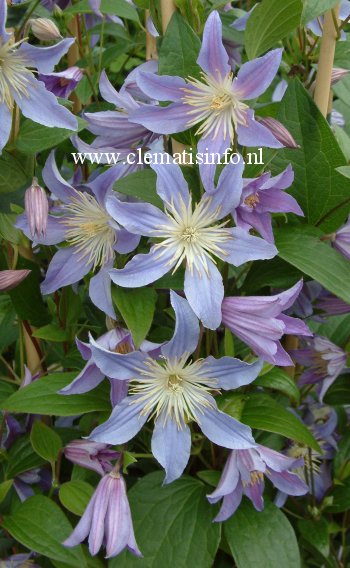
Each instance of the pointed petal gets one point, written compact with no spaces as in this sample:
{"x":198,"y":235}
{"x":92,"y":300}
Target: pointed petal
{"x":122,"y":425}
{"x":225,"y":431}
{"x":3,"y":17}
{"x":171,"y":184}
{"x":207,"y":146}
{"x":244,"y":247}
{"x":228,"y":481}
{"x":229,"y":189}
{"x":98,"y":519}
{"x":87,"y":380}
{"x":277,"y":201}
{"x":144,"y":268}
{"x":255,"y":76}
{"x":100,"y":291}
{"x":171,"y":446}
{"x":205,"y":294}
{"x":255,"y":134}
{"x":119,"y":366}
{"x":230,"y":504}
{"x":163,"y":120}
{"x":42,"y":106}
{"x":55,"y":182}
{"x":101,"y":184}
{"x":82,"y":529}
{"x":213,"y":57}
{"x":65,"y":268}
{"x":139,"y":218}
{"x":287,"y":482}
{"x":255,"y":493}
{"x":55,"y":230}
{"x":45,"y":58}
{"x":186,"y":335}
{"x":229,"y":372}
{"x":5,"y":120}
{"x":161,"y":87}
{"x":126,"y":242}
{"x":110,"y":94}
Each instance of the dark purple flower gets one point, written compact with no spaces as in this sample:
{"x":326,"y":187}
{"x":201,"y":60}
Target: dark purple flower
{"x":107,"y":519}
{"x":259,"y":322}
{"x":244,"y":473}
{"x":91,"y":455}
{"x":324,"y":362}
{"x":263,"y":196}
{"x":62,"y":83}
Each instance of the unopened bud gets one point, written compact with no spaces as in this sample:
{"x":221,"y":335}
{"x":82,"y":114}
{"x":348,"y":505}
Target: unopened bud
{"x":37,"y":209}
{"x":337,"y":74}
{"x":279,"y":131}
{"x":11,"y":278}
{"x":45,"y":29}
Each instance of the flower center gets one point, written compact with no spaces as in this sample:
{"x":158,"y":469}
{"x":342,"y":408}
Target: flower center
{"x":252,"y":200}
{"x":191,"y":235}
{"x":15,"y":78}
{"x":255,"y":478}
{"x":173,"y":390}
{"x":89,"y":229}
{"x":215,"y":105}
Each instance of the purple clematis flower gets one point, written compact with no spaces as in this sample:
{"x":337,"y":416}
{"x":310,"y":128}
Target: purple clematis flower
{"x":93,"y":236}
{"x":114,"y":132}
{"x":107,"y":518}
{"x":341,"y":239}
{"x":316,"y":25}
{"x":324,"y":361}
{"x":260,"y":323}
{"x":191,"y":233}
{"x":63,"y":83}
{"x":213,"y":103}
{"x":263,"y":196}
{"x":91,"y":455}
{"x":118,"y":340}
{"x":18,"y":85}
{"x":174,"y":391}
{"x":244,"y":472}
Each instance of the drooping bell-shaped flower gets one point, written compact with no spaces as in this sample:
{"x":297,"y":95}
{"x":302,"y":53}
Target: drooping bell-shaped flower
{"x":91,"y":455}
{"x":62,"y":83}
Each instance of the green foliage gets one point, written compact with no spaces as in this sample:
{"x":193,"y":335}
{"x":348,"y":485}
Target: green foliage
{"x":179,"y":49}
{"x":75,"y":496}
{"x":45,"y":441}
{"x":137,"y":308}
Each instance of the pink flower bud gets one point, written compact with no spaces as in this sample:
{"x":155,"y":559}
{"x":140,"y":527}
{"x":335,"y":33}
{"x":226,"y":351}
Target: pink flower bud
{"x":11,"y":278}
{"x":45,"y":29}
{"x":37,"y":209}
{"x":279,"y":131}
{"x":338,"y":74}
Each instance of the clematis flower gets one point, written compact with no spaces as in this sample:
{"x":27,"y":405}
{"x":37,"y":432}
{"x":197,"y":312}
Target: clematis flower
{"x":263,"y":196}
{"x":107,"y":518}
{"x":189,"y":233}
{"x":9,"y":279}
{"x":324,"y":362}
{"x":36,"y":208}
{"x":174,"y":391}
{"x":91,"y":455}
{"x":118,"y":340}
{"x":316,"y":25}
{"x":18,"y":85}
{"x":62,"y":83}
{"x":214,"y":103}
{"x":114,"y":133}
{"x":244,"y":473}
{"x":279,"y":131}
{"x":260,"y":323}
{"x":93,"y":236}
{"x":341,"y":240}
{"x":331,"y":305}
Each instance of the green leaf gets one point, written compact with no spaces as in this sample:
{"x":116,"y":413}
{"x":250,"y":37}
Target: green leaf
{"x":270,"y":22}
{"x":321,"y":191}
{"x":141,"y":184}
{"x":41,"y":397}
{"x":339,"y":392}
{"x":119,"y":8}
{"x":179,"y":49}
{"x":316,"y":533}
{"x":21,"y":458}
{"x":45,"y":441}
{"x":75,"y":496}
{"x":40,"y":525}
{"x":5,"y":487}
{"x":173,"y":524}
{"x":264,"y":413}
{"x":35,"y":137}
{"x":12,"y":175}
{"x":314,"y":8}
{"x":277,"y":379}
{"x":301,"y":246}
{"x":336,"y":328}
{"x":137,"y":307}
{"x":261,"y":538}
{"x":274,"y":273}
{"x":51,"y":332}
{"x":27,"y":299}
{"x":7,"y":229}
{"x":341,"y":498}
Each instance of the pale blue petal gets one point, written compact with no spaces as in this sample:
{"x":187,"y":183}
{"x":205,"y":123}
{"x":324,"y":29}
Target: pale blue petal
{"x":126,"y":242}
{"x":227,"y":195}
{"x":110,"y":94}
{"x":3,"y":17}
{"x":244,"y":247}
{"x":171,"y":447}
{"x":100,"y":292}
{"x":5,"y":124}
{"x":144,"y":268}
{"x":55,"y":182}
{"x":87,"y":380}
{"x":186,"y":335}
{"x":228,"y":480}
{"x":122,"y":425}
{"x":55,"y":230}
{"x":161,"y":87}
{"x":171,"y":184}
{"x":139,"y":218}
{"x":254,"y":134}
{"x":208,"y":146}
{"x":101,"y":184}
{"x":119,"y":366}
{"x":213,"y":57}
{"x":45,"y":58}
{"x":66,"y":268}
{"x":229,"y":372}
{"x":42,"y":106}
{"x":255,"y":76}
{"x":225,"y":431}
{"x":163,"y":120}
{"x":205,"y":294}
{"x":230,"y":504}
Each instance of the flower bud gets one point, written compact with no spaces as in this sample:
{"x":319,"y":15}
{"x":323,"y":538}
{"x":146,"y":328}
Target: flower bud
{"x":45,"y":29}
{"x":9,"y":279}
{"x":279,"y":131}
{"x":37,"y":209}
{"x":337,"y":74}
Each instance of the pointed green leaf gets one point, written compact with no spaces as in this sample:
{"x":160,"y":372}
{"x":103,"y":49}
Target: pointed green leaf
{"x":137,"y":307}
{"x":45,"y":441}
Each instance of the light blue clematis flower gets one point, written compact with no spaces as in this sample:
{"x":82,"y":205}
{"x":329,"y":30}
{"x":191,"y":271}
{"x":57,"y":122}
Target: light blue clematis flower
{"x":18,"y":85}
{"x":174,"y":391}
